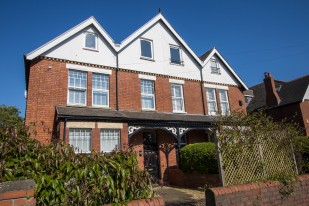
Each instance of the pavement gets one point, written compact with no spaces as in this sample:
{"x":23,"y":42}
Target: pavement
{"x":181,"y":197}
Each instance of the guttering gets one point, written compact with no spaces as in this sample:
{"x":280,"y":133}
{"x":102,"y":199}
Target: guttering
{"x":117,"y":68}
{"x":201,"y":83}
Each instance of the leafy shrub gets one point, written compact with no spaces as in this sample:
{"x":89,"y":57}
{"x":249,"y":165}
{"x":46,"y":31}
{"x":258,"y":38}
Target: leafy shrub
{"x":302,"y":148}
{"x":65,"y":178}
{"x":199,"y":157}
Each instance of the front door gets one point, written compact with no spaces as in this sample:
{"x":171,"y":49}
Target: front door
{"x":151,"y":160}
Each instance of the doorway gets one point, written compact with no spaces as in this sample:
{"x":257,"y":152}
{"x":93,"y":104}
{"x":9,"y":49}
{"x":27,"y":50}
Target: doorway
{"x":151,"y":159}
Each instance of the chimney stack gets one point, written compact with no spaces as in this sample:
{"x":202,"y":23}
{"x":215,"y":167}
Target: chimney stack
{"x":272,"y":97}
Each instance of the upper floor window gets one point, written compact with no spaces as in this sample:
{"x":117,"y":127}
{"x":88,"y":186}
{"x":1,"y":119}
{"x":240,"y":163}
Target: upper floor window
{"x":146,"y":49}
{"x":80,"y":139}
{"x":177,"y":97}
{"x":100,"y":90}
{"x":224,"y":102}
{"x":214,"y":66}
{"x":109,"y":139}
{"x":148,"y":95}
{"x":175,"y":55}
{"x":77,"y":87}
{"x":211,"y":101}
{"x":91,"y":41}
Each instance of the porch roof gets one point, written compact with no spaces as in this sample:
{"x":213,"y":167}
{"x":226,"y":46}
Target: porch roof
{"x":86,"y":113}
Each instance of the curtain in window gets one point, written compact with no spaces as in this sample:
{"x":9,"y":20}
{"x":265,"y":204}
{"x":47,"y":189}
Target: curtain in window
{"x":80,"y":139}
{"x":109,"y":139}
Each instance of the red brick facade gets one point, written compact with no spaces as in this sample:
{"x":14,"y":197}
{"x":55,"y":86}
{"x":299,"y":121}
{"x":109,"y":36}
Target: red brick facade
{"x":48,"y":88}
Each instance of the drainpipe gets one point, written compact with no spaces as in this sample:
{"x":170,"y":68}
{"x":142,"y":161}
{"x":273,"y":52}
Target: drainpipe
{"x":201,"y":73}
{"x":64,"y":130}
{"x":117,"y":68}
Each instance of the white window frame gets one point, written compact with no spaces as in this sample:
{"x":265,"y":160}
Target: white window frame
{"x":76,"y":89}
{"x":96,"y":41}
{"x":212,"y":101}
{"x":180,"y":55}
{"x":214,"y":70}
{"x":76,"y":150}
{"x":117,"y":146}
{"x":100,"y":91}
{"x":151,"y":48}
{"x":226,"y":102}
{"x":152,"y":95}
{"x":176,"y":98}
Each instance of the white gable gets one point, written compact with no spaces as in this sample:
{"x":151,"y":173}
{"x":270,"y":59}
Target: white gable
{"x":227,"y":74}
{"x":162,"y":38}
{"x":73,"y":49}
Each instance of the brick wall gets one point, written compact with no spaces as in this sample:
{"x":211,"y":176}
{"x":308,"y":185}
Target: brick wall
{"x":259,"y":194}
{"x":17,"y":193}
{"x":193,"y":97}
{"x":197,"y":136}
{"x":304,"y":107}
{"x":193,"y":180}
{"x":235,"y":95}
{"x":136,"y":142}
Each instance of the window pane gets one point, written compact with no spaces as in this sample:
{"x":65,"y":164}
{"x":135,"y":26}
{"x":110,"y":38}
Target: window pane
{"x":146,"y":48}
{"x":210,"y":94}
{"x":147,"y":87}
{"x":100,"y":81}
{"x":77,"y":79}
{"x":147,"y":102}
{"x":177,"y":105}
{"x":80,"y":139}
{"x":90,"y":41}
{"x":109,"y":139}
{"x":213,"y":64}
{"x":212,"y":107}
{"x":100,"y":98}
{"x":175,"y":55}
{"x":77,"y":96}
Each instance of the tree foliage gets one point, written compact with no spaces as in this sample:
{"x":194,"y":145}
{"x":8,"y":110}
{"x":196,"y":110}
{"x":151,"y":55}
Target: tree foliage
{"x":10,"y":116}
{"x":65,"y":178}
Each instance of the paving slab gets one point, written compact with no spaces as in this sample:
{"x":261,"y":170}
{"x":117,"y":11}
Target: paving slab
{"x":179,"y":196}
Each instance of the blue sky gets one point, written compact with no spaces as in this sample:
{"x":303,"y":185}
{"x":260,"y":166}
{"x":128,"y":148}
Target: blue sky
{"x":253,"y":36}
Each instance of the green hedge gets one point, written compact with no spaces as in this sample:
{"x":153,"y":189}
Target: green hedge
{"x":199,"y":157}
{"x":302,"y":148}
{"x":65,"y":178}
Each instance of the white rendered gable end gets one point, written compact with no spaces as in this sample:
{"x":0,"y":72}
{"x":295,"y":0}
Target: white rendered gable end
{"x":56,"y":41}
{"x":215,"y":52}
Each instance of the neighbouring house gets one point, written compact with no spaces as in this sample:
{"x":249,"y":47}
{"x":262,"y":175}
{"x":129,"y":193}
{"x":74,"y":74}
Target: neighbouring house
{"x":150,"y":92}
{"x":282,"y":100}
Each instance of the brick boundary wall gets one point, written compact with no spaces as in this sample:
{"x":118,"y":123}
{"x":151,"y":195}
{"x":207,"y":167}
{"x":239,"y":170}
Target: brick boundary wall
{"x":193,"y":180}
{"x":17,"y":193}
{"x":260,"y":194}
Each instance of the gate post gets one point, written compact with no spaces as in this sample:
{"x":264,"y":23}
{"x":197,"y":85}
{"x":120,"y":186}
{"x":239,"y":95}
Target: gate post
{"x":219,"y":157}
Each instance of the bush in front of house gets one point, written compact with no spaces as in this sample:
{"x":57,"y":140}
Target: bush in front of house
{"x":302,"y":150}
{"x":65,"y":178}
{"x":199,"y":157}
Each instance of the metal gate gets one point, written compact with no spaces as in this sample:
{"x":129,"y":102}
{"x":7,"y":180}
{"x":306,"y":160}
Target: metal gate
{"x":151,"y":160}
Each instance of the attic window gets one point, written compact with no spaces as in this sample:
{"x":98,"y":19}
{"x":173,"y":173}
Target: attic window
{"x":146,"y":49}
{"x":175,"y":55}
{"x":214,"y":66}
{"x":91,"y":41}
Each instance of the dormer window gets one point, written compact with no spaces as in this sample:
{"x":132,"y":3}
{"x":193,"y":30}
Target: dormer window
{"x":91,"y":41}
{"x":175,"y":55}
{"x":146,"y":49}
{"x":214,"y":66}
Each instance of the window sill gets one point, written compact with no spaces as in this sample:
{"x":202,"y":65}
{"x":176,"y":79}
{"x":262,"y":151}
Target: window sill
{"x":179,"y":112}
{"x":76,"y":105}
{"x":148,"y":110}
{"x":147,"y":58}
{"x":100,"y":107}
{"x":177,"y":64}
{"x":90,"y":49}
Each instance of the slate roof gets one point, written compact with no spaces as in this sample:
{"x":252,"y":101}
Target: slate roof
{"x":103,"y":114}
{"x":290,"y":92}
{"x":205,"y":55}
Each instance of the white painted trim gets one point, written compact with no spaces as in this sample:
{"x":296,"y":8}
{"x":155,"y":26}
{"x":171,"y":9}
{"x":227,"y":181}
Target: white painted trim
{"x":215,"y":51}
{"x":145,"y":27}
{"x":214,"y":86}
{"x":90,"y":21}
{"x":147,"y":77}
{"x":306,"y":95}
{"x":176,"y":81}
{"x":88,"y":69}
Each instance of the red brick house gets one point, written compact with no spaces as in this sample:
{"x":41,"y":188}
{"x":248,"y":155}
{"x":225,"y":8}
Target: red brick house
{"x":281,"y":99}
{"x":150,"y":92}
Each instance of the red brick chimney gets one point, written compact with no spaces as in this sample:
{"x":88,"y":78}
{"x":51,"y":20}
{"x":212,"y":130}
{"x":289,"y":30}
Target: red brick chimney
{"x":272,"y":97}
